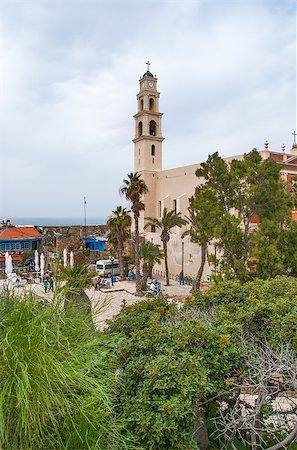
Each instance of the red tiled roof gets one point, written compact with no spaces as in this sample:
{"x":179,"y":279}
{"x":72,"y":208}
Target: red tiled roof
{"x":13,"y":256}
{"x":19,"y":233}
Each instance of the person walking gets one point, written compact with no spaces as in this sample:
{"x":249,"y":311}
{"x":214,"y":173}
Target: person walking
{"x":45,"y":284}
{"x":98,"y":283}
{"x":51,"y":283}
{"x":181,"y":278}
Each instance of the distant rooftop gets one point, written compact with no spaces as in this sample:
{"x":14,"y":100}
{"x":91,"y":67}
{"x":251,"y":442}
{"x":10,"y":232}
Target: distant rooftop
{"x":19,"y":232}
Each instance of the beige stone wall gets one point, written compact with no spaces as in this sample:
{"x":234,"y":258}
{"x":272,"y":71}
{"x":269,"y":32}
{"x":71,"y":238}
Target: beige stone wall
{"x":172,"y":188}
{"x":192,"y":256}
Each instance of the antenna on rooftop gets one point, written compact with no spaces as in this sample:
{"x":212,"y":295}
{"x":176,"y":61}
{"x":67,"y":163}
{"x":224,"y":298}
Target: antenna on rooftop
{"x":85,"y":214}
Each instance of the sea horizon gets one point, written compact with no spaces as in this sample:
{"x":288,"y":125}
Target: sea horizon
{"x":57,"y":221}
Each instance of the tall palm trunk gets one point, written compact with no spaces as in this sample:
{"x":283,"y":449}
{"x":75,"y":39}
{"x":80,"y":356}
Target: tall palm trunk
{"x":201,"y":268}
{"x":137,"y":254}
{"x":145,"y":271}
{"x":166,"y":262}
{"x":150,"y":270}
{"x":121,"y":259}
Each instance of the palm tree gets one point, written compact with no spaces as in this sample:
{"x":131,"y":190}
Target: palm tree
{"x":150,"y":254}
{"x":119,"y":225}
{"x":133,"y":189}
{"x":169,"y":220}
{"x":76,"y":279}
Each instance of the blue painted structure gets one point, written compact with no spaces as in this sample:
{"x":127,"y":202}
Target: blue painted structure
{"x":95,"y":243}
{"x":19,"y":238}
{"x":20,"y":245}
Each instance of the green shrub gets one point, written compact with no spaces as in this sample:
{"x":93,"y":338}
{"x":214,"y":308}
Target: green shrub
{"x":138,"y":316}
{"x":167,"y":368}
{"x":172,"y":362}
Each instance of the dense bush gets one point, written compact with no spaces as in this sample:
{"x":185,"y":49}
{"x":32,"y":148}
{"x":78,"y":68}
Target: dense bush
{"x":167,"y":369}
{"x":176,"y":367}
{"x":267,"y":309}
{"x":139,"y":316}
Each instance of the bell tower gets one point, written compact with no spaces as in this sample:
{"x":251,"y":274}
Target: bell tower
{"x":148,"y":141}
{"x":148,"y":132}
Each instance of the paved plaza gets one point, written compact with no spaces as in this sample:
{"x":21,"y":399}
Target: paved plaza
{"x":107,"y":302}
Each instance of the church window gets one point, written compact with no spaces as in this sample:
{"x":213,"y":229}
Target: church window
{"x":153,"y":228}
{"x":140,"y":129}
{"x":141,"y":104}
{"x":153,"y":150}
{"x":152,"y":104}
{"x":153,"y":128}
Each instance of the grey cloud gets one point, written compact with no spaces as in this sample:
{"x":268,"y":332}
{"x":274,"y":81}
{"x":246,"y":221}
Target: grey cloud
{"x":70,"y":76}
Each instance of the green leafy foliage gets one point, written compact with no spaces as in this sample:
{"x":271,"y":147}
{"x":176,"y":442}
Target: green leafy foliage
{"x":75,"y":279}
{"x":167,"y":369}
{"x":119,"y":225}
{"x":204,"y":214}
{"x":56,"y":379}
{"x":150,"y":254}
{"x":267,"y":309}
{"x":175,"y":363}
{"x":242,"y":191}
{"x":133,"y":189}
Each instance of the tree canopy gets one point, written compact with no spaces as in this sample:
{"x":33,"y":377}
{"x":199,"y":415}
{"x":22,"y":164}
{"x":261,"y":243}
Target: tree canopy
{"x":243,"y":193}
{"x":134,"y":188}
{"x":119,"y":225}
{"x":169,"y":220}
{"x":150,"y":254}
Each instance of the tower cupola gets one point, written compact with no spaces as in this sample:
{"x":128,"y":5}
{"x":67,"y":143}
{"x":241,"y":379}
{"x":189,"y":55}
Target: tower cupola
{"x":148,"y":74}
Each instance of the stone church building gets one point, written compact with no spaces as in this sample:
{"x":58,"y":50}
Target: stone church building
{"x":171,"y":188}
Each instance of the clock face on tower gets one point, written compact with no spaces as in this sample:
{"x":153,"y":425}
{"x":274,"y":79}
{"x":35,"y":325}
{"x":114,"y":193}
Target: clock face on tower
{"x":151,"y":84}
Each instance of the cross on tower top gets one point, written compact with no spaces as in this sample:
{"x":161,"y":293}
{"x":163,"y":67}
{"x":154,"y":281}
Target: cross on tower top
{"x":294,"y":134}
{"x":148,"y":65}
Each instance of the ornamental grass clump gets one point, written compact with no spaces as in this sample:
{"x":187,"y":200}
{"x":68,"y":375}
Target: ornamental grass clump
{"x":56,"y":379}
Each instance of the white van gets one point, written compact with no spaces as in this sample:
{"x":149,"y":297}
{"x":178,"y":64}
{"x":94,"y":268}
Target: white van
{"x":105,"y":268}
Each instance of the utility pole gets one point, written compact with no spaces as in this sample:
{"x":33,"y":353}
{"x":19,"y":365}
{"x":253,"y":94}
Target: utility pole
{"x":85,"y":215}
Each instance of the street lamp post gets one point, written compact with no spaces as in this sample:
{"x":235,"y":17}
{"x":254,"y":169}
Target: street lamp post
{"x":181,"y":277}
{"x":183,"y":251}
{"x":112,"y":260}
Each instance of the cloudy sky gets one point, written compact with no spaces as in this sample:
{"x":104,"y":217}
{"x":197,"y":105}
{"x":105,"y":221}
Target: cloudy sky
{"x":69,"y":74}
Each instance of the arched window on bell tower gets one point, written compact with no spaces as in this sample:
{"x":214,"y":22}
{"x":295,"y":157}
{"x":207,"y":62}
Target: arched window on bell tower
{"x":153,"y":150}
{"x":141,"y":104}
{"x":140,"y":129}
{"x":152,"y":104}
{"x":153,"y":128}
